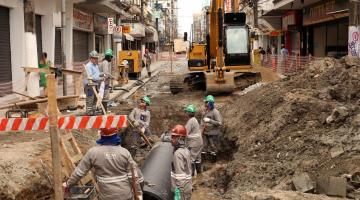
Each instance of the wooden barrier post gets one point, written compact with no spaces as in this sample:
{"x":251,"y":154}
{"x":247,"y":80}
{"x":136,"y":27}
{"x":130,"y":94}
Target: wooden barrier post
{"x":55,"y":138}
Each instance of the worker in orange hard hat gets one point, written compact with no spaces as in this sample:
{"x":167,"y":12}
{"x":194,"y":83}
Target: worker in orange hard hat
{"x":181,"y":164}
{"x":113,"y":167}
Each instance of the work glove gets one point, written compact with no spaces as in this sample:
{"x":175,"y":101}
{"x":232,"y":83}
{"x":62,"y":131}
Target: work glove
{"x":65,"y":187}
{"x":136,"y":124}
{"x":206,"y":119}
{"x":140,"y":197}
{"x":90,"y":78}
{"x":142,"y":130}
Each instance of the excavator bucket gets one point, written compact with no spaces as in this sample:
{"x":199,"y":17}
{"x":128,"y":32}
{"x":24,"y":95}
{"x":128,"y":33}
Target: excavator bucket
{"x":216,"y":87}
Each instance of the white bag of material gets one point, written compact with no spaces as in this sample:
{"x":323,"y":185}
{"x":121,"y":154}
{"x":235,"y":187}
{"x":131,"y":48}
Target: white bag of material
{"x":102,"y":89}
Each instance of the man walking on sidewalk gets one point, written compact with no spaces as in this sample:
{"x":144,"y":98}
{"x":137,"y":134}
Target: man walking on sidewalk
{"x":92,"y":79}
{"x":147,"y":57}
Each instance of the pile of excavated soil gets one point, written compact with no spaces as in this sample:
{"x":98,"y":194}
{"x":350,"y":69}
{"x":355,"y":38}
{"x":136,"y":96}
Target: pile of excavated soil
{"x":288,"y":127}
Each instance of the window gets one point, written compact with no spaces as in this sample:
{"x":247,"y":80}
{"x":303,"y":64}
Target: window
{"x":237,"y":40}
{"x":99,"y":43}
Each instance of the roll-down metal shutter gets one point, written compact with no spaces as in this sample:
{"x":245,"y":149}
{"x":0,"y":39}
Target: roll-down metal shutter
{"x":80,"y":46}
{"x":58,"y":56}
{"x":5,"y":55}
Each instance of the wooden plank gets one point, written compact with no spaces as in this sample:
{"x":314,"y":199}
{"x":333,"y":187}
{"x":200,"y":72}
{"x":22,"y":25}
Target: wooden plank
{"x":55,"y":139}
{"x":76,"y":158}
{"x":42,"y":100}
{"x":51,"y":70}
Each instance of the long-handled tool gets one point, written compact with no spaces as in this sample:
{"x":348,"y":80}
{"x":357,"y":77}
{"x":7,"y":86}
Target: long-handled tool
{"x":143,"y":136}
{"x":98,"y":101}
{"x":133,"y":182}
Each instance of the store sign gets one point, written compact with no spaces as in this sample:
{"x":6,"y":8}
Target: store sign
{"x":100,"y":25}
{"x":126,"y":29}
{"x":354,"y":43}
{"x":136,"y":29}
{"x":325,"y":11}
{"x":82,"y":21}
{"x":110,"y":25}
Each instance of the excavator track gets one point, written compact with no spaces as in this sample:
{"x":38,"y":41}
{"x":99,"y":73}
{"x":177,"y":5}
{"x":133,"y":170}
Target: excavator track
{"x":177,"y":84}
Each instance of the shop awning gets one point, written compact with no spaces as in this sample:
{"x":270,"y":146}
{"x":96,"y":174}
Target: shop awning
{"x":128,"y":37}
{"x":151,"y":34}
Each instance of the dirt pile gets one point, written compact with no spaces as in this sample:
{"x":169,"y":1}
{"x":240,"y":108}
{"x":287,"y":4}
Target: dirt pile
{"x":305,"y":123}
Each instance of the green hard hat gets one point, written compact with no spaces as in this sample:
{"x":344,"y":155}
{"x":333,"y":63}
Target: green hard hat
{"x":147,"y":100}
{"x":94,"y":54}
{"x":190,"y":108}
{"x":108,"y":52}
{"x":209,"y":98}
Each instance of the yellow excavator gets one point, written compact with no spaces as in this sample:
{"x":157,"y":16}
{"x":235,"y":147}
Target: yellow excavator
{"x":223,"y":64}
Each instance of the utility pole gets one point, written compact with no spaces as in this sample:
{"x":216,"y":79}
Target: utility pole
{"x":171,"y":34}
{"x":63,"y":56}
{"x":255,"y":9}
{"x":354,"y":28}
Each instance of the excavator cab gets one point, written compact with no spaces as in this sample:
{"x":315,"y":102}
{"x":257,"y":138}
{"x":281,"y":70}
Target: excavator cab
{"x":236,"y":45}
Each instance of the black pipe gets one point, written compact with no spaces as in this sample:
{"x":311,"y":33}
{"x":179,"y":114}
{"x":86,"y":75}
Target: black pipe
{"x":157,"y":172}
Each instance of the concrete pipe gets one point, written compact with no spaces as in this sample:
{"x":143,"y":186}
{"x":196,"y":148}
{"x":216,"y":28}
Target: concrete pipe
{"x":157,"y":172}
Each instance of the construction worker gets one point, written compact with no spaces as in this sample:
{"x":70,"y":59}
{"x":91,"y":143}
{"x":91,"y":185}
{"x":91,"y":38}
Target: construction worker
{"x":194,"y":139}
{"x":140,"y":116}
{"x":211,"y":123}
{"x":105,"y":69}
{"x":113,"y":166}
{"x":181,"y":163}
{"x":92,"y":79}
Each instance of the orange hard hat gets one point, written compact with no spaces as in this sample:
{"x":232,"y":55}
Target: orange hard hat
{"x":108,"y":131}
{"x":179,"y":130}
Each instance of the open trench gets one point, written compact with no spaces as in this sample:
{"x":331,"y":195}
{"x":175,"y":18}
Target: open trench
{"x":23,"y":176}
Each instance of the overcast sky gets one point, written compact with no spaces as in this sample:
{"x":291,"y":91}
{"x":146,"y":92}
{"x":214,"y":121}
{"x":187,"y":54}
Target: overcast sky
{"x":185,"y":10}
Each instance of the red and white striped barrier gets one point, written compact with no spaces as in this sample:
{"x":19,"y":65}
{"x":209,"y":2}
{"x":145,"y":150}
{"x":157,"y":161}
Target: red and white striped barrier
{"x":67,"y":122}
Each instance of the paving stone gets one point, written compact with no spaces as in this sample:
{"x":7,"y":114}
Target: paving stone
{"x":337,"y":187}
{"x":303,"y":182}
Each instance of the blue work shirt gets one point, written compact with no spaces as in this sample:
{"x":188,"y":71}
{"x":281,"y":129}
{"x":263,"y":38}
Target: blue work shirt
{"x":93,"y":71}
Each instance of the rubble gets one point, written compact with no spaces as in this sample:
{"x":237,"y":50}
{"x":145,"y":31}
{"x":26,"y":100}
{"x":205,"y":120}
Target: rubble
{"x":303,"y":183}
{"x":321,"y":116}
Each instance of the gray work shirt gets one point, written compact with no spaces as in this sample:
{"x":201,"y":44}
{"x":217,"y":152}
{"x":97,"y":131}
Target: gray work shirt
{"x":193,"y":138}
{"x":141,"y":116}
{"x":212,"y":127}
{"x":181,"y":170}
{"x":112,"y":169}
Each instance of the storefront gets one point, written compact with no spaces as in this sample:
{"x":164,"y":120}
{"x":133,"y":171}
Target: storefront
{"x":151,"y":38}
{"x":327,"y":28}
{"x":5,"y":54}
{"x":100,"y":29}
{"x":137,"y":31}
{"x":82,"y":27}
{"x":291,"y":26}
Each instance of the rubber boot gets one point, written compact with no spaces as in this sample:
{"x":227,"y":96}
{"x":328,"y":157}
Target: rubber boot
{"x":213,"y":157}
{"x":193,"y":169}
{"x":198,"y":168}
